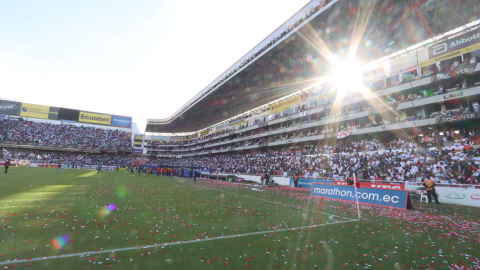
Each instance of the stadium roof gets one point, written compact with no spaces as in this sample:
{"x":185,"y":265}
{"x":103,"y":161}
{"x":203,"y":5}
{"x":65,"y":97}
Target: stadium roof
{"x":293,"y":57}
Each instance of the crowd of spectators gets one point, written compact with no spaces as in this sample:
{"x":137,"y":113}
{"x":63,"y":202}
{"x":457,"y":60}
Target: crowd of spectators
{"x":450,"y":157}
{"x":65,"y":134}
{"x":64,"y":157}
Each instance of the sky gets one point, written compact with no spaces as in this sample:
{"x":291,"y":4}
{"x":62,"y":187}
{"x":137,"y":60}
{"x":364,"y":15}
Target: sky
{"x":144,"y":59}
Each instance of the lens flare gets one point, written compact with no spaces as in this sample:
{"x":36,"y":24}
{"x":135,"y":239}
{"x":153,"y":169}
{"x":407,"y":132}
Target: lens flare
{"x":60,"y":241}
{"x":107,"y":210}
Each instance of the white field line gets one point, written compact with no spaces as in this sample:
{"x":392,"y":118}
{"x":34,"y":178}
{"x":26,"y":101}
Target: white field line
{"x":81,"y":254}
{"x":283,"y":204}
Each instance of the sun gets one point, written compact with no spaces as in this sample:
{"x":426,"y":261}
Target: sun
{"x":347,"y":75}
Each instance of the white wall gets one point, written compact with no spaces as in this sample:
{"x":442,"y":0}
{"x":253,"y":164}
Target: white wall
{"x":250,"y":178}
{"x":282,"y":181}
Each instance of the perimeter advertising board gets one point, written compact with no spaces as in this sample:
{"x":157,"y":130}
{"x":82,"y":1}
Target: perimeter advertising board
{"x":451,"y":195}
{"x":457,"y":46}
{"x":53,"y":113}
{"x":236,"y":121}
{"x":95,"y":118}
{"x":121,"y":121}
{"x":397,"y":198}
{"x":68,"y":114}
{"x":285,"y":105}
{"x":10,"y":107}
{"x":35,"y":111}
{"x":160,"y":138}
{"x":374,"y":185}
{"x":307,"y":183}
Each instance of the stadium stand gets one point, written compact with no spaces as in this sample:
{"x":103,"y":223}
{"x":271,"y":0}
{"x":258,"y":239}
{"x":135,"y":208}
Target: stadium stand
{"x":54,"y":158}
{"x":396,"y":160}
{"x":28,"y":131}
{"x":414,"y":113}
{"x":420,"y":118}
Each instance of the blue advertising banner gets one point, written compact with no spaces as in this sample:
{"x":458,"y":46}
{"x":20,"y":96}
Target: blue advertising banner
{"x":121,"y":121}
{"x":398,"y":198}
{"x":307,"y":183}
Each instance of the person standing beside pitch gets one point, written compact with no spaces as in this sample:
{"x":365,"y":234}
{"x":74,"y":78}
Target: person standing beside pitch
{"x":295,"y":180}
{"x":429,"y":184}
{"x":6,"y":165}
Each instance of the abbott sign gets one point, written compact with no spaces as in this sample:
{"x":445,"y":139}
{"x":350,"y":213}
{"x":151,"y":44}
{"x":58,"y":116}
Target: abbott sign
{"x":397,"y":198}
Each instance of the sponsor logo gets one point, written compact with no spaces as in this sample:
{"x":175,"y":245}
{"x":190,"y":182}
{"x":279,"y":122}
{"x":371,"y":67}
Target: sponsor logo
{"x":463,"y":44}
{"x":466,"y":39}
{"x":475,"y":196}
{"x":33,"y":110}
{"x":383,"y":128}
{"x":363,"y":184}
{"x":284,"y":105}
{"x":236,"y":121}
{"x":289,"y":117}
{"x":454,"y":195}
{"x":460,"y":71}
{"x":454,"y":95}
{"x":289,"y":141}
{"x":305,"y":97}
{"x":121,"y":121}
{"x":323,"y":122}
{"x":95,"y":118}
{"x":8,"y":107}
{"x":439,"y":49}
{"x":458,"y":117}
{"x":386,"y":186}
{"x":347,"y":117}
{"x":363,"y":195}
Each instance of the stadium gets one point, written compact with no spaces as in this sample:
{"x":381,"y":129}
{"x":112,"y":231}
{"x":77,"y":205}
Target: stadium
{"x":348,"y":138}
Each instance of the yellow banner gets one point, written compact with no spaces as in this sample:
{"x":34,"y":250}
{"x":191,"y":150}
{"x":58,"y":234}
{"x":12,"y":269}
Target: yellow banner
{"x":449,"y":55}
{"x":216,"y":131}
{"x":35,"y":111}
{"x":95,"y":118}
{"x":203,"y":133}
{"x":285,"y":105}
{"x":241,"y":123}
{"x":159,"y":140}
{"x":136,"y":137}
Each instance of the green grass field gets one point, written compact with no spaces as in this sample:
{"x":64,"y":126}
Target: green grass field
{"x":79,"y":219}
